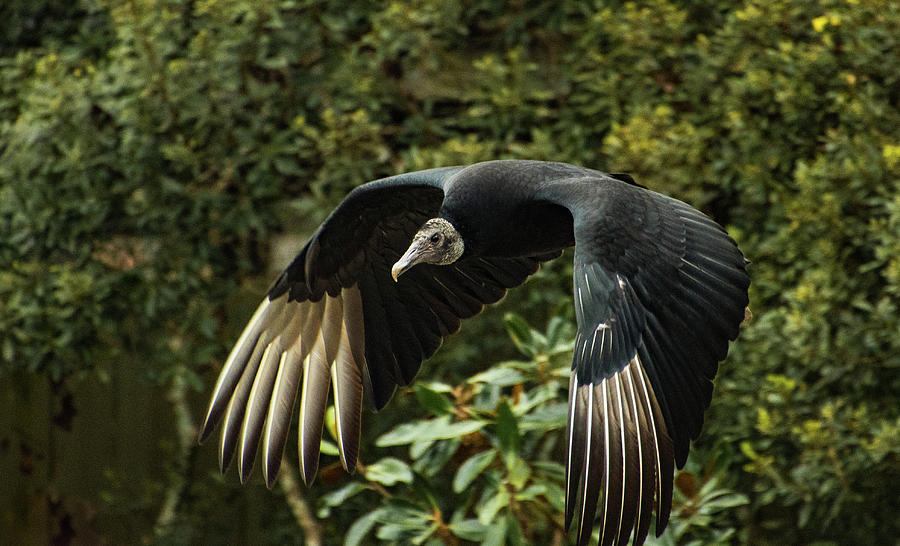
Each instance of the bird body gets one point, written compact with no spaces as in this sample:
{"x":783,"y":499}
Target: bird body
{"x":659,"y":291}
{"x":492,"y":205}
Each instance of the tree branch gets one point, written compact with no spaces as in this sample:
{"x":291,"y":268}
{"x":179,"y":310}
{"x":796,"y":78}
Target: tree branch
{"x":185,"y":432}
{"x":288,"y":482}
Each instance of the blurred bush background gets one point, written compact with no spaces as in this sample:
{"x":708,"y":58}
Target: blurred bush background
{"x":160,"y":159}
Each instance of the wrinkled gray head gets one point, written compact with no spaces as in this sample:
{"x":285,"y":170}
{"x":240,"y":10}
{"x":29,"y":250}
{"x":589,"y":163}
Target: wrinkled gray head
{"x":437,"y":242}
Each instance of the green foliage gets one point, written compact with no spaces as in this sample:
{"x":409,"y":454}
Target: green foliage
{"x":496,"y":447}
{"x":500,"y":445}
{"x":151,"y":149}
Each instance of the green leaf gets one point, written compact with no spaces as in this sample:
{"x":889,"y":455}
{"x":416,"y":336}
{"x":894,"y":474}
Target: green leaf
{"x":436,"y":456}
{"x":550,"y":469}
{"x":556,"y":332}
{"x":513,"y":530}
{"x":422,"y":431}
{"x":470,"y":469}
{"x":328,"y":448}
{"x":330,"y":424}
{"x":360,"y":528}
{"x":724,"y":501}
{"x":468,"y":529}
{"x":532,"y":492}
{"x":389,"y":471}
{"x":418,"y":449}
{"x":519,"y":473}
{"x":521,"y":334}
{"x":508,"y":434}
{"x":407,"y":433}
{"x":424,"y":535}
{"x":401,"y":522}
{"x":495,"y":534}
{"x":436,"y":386}
{"x":551,"y":491}
{"x":337,"y":497}
{"x":422,"y":488}
{"x":434,"y":402}
{"x":544,"y":418}
{"x":500,"y":377}
{"x":535,"y":397}
{"x":489,"y":509}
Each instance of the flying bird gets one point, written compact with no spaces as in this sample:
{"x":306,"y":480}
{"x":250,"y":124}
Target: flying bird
{"x":659,"y":291}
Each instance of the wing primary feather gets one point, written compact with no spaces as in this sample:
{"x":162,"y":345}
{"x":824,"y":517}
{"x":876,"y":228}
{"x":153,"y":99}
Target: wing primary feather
{"x":354,"y":324}
{"x":664,"y":451}
{"x":607,"y":459}
{"x":348,"y":390}
{"x":285,"y":391}
{"x":612,"y":504}
{"x":257,"y":404}
{"x":293,"y":315}
{"x":575,"y":453}
{"x":313,"y":401}
{"x":646,"y":467}
{"x":588,"y":493}
{"x":627,"y":506}
{"x":234,"y":367}
{"x":234,"y":413}
{"x":332,"y":326}
{"x":281,"y":409}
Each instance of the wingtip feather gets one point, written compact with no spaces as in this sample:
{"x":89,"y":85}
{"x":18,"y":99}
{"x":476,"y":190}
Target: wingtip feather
{"x":234,"y":367}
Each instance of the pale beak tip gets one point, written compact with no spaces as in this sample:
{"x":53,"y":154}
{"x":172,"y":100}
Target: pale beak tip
{"x":396,"y":271}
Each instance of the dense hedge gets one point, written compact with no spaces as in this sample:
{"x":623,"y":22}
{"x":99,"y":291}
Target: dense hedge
{"x":150,"y":149}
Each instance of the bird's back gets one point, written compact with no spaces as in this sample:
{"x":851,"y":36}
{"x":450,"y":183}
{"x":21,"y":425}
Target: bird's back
{"x":492,"y":205}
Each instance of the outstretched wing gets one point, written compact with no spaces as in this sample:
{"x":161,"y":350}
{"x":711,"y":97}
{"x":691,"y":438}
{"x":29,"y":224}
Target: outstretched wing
{"x":335,"y":318}
{"x":660,"y":290}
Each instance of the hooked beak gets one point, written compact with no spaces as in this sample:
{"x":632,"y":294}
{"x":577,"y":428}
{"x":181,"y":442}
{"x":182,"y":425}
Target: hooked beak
{"x":414,"y":254}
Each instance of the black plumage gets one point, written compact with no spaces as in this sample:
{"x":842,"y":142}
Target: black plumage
{"x":659,"y":290}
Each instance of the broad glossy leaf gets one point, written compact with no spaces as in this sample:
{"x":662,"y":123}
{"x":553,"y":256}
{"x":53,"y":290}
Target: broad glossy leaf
{"x":500,"y":377}
{"x":519,"y":473}
{"x":418,"y":449}
{"x":360,"y":528}
{"x":469,"y":529}
{"x":546,"y":417}
{"x":433,"y":429}
{"x":495,"y":534}
{"x":328,"y":448}
{"x":389,"y":471}
{"x":508,"y":434}
{"x":513,"y":530}
{"x":521,"y":333}
{"x":436,"y":456}
{"x":338,"y":497}
{"x":470,"y":469}
{"x":402,"y":522}
{"x":535,"y":397}
{"x":488,"y":510}
{"x":433,"y":401}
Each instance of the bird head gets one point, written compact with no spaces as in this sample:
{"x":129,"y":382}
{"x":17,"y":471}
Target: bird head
{"x":436,"y":242}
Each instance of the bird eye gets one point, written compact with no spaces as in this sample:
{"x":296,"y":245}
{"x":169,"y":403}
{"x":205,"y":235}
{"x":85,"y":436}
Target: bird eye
{"x":436,"y":238}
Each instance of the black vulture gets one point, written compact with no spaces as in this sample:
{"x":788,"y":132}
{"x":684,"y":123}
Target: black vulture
{"x":659,"y":291}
